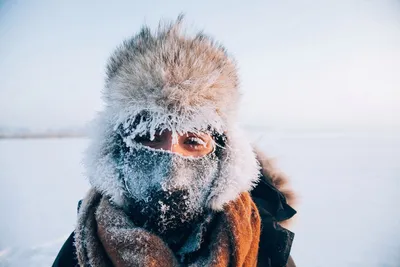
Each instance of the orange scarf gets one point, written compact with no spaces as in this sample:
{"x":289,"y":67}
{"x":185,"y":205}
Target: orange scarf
{"x":105,"y":236}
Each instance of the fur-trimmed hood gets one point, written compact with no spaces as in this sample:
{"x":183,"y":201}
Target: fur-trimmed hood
{"x":170,"y":80}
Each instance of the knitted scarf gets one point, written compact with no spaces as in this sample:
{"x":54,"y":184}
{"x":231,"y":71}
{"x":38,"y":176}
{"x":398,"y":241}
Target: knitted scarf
{"x":106,"y":236}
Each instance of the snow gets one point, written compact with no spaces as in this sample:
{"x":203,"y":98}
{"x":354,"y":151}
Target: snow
{"x":348,"y":184}
{"x":41,"y":183}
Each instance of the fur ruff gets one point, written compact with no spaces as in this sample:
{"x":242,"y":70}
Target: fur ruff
{"x":276,"y":177}
{"x":106,"y":237}
{"x":279,"y":180}
{"x":177,"y":82}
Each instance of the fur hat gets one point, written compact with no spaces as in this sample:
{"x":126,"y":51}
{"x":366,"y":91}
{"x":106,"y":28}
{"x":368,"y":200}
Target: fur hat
{"x":170,"y":80}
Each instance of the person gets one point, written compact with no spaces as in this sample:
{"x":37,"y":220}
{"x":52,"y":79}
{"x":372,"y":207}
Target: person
{"x":174,"y":179}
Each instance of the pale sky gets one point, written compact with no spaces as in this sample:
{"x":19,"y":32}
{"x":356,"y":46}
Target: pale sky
{"x":306,"y":64}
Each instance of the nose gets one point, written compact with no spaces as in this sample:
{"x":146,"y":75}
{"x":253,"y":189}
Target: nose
{"x":166,"y":141}
{"x":169,"y":145}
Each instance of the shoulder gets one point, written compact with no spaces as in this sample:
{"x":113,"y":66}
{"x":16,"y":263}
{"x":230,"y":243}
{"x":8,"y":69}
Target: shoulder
{"x":271,"y":174}
{"x":273,"y":192}
{"x":67,"y":255}
{"x":273,"y":196}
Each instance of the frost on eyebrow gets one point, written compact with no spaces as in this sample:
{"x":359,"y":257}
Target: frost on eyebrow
{"x":149,"y":124}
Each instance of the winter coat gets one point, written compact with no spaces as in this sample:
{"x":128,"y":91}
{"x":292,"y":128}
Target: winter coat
{"x":272,"y":199}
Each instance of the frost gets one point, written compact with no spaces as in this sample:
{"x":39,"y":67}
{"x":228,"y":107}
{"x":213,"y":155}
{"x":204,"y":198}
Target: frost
{"x":140,"y":121}
{"x":116,"y":166}
{"x":173,"y":189}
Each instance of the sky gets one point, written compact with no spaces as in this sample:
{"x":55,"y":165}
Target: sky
{"x":303,"y":64}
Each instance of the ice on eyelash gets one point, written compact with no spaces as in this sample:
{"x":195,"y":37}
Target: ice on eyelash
{"x":199,"y":141}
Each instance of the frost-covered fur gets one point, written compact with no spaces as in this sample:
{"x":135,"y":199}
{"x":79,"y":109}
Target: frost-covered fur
{"x":106,"y":236}
{"x":177,"y":82}
{"x":276,"y":177}
{"x":184,"y":82}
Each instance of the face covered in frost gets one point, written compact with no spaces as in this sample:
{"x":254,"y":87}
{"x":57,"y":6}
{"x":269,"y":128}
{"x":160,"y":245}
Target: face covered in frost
{"x":167,"y":181}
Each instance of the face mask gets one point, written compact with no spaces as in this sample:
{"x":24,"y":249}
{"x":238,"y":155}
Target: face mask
{"x":167,"y":189}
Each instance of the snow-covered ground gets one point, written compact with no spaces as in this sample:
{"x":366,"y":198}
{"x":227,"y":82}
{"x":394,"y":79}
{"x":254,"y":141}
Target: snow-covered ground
{"x":348,"y":214}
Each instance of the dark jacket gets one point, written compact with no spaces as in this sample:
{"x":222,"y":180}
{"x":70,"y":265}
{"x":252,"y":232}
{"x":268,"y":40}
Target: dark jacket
{"x":275,"y":241}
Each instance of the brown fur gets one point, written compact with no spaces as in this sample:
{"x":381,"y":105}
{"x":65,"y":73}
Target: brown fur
{"x":278,"y":179}
{"x":180,"y":82}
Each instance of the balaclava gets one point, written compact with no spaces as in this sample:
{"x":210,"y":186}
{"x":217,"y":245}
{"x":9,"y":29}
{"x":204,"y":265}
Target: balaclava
{"x":170,"y":191}
{"x":169,"y":80}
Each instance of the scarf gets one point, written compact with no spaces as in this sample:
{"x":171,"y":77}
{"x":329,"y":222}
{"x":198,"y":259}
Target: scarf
{"x":106,"y":236}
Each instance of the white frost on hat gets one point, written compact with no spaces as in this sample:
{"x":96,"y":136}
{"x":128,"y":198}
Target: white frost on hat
{"x":183,"y":84}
